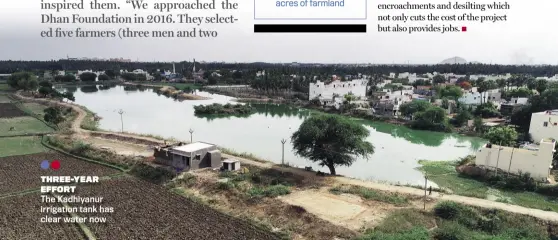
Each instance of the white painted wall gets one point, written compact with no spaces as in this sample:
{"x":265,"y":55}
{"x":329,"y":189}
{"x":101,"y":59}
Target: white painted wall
{"x":544,"y":125}
{"x":357,"y":87}
{"x":537,"y":163}
{"x":519,"y":100}
{"x":475,"y":97}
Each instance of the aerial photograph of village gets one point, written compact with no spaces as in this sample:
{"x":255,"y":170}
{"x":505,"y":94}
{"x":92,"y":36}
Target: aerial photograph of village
{"x":213,"y":150}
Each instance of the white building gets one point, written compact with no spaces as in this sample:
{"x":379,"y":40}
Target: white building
{"x":553,"y":78}
{"x":396,"y":98}
{"x":356,"y":87}
{"x":544,"y":125}
{"x":474,"y":98}
{"x":534,"y":160}
{"x":519,"y":100}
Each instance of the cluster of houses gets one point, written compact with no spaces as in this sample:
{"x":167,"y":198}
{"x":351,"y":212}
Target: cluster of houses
{"x":386,"y":101}
{"x":535,"y":159}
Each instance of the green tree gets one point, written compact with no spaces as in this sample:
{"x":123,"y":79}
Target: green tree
{"x":331,"y":141}
{"x":45,"y":91}
{"x":439,"y":79}
{"x":451,"y":92}
{"x":541,"y":85}
{"x":53,"y":115}
{"x":484,"y":86}
{"x":103,"y":77}
{"x":111,"y":73}
{"x":501,"y":83}
{"x":518,"y":92}
{"x":69,"y":96}
{"x":410,"y":108}
{"x":478,"y":124}
{"x":88,"y":77}
{"x":23,"y":81}
{"x":501,"y":135}
{"x":462,"y":117}
{"x":45,"y":83}
{"x":487,"y":110}
{"x":433,"y":118}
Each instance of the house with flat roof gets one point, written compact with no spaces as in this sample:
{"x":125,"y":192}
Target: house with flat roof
{"x":544,"y":125}
{"x":184,"y":157}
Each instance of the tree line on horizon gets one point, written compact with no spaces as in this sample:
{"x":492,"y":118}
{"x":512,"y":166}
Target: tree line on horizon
{"x":8,"y":67}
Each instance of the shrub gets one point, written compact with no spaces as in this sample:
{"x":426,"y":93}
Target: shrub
{"x":451,"y":231}
{"x":152,"y":174}
{"x":447,"y":210}
{"x":79,"y":148}
{"x":271,"y":191}
{"x":228,"y":108}
{"x":225,"y":185}
{"x":413,"y":234}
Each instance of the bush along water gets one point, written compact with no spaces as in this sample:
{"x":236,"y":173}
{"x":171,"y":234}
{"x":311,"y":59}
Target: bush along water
{"x":228,"y":108}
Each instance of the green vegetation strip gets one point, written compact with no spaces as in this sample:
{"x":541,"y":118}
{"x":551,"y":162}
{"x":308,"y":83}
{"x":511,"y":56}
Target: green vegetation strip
{"x":444,"y":174}
{"x":454,"y":221}
{"x":46,"y":144}
{"x":13,"y":146}
{"x":371,"y":194}
{"x":19,"y":104}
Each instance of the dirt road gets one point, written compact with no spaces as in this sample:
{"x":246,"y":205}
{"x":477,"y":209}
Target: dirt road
{"x":545,"y":215}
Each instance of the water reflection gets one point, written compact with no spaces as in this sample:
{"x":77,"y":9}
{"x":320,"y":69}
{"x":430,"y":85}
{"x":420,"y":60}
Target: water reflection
{"x":398,"y":148}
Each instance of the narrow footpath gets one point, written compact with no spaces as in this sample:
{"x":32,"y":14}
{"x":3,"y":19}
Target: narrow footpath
{"x":544,"y":215}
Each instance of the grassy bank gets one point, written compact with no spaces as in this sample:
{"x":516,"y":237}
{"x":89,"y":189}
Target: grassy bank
{"x":89,"y":122}
{"x":11,"y":146}
{"x":453,"y":221}
{"x":444,"y":174}
{"x":371,"y":194}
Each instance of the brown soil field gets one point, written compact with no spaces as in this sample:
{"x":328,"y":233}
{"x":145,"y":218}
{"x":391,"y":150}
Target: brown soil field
{"x":146,"y":211}
{"x":21,"y":216}
{"x":8,"y":110}
{"x":19,"y":173}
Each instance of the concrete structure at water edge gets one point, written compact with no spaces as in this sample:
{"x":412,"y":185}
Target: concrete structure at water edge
{"x":184,"y":157}
{"x":544,"y":125}
{"x":536,"y":160}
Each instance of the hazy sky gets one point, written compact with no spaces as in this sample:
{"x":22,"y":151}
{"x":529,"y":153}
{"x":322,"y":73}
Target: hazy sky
{"x":529,"y":36}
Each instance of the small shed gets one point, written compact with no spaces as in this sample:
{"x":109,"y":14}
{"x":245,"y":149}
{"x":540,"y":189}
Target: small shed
{"x":231,"y":165}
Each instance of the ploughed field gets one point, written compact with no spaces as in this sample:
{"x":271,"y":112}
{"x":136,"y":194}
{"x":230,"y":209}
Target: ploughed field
{"x":144,"y":210}
{"x":9,"y":110}
{"x":20,"y":219}
{"x":19,"y":173}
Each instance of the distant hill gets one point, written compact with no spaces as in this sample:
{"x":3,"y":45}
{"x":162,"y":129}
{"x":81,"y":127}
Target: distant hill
{"x":454,"y":60}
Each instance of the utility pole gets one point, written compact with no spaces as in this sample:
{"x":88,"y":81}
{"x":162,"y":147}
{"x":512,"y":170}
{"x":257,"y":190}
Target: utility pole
{"x":283,"y":141}
{"x":121,"y":120}
{"x":425,"y":183}
{"x":191,"y":132}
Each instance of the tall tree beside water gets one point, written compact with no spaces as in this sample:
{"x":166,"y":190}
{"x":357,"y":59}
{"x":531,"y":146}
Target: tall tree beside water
{"x":331,"y":141}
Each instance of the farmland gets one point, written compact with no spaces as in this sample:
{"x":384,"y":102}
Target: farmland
{"x":9,"y":110}
{"x":156,"y":213}
{"x":4,"y":98}
{"x":23,"y":172}
{"x":20,"y":219}
{"x":10,"y":146}
{"x":14,"y":121}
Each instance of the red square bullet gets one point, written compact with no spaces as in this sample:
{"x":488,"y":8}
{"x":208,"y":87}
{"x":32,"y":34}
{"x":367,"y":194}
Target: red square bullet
{"x":464,"y":29}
